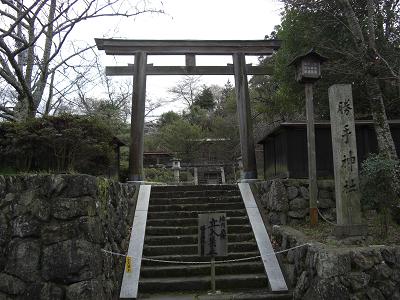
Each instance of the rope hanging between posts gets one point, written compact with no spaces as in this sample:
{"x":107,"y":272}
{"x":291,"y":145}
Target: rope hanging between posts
{"x":206,"y":262}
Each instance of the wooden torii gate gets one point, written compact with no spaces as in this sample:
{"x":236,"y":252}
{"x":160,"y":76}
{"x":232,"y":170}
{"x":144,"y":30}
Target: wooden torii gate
{"x":140,"y":49}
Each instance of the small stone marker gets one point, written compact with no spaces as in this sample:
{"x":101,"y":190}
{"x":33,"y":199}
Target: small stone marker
{"x":345,"y":162}
{"x":212,"y":235}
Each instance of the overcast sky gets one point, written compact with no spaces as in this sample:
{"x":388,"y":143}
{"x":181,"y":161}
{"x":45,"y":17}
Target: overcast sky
{"x":193,"y":19}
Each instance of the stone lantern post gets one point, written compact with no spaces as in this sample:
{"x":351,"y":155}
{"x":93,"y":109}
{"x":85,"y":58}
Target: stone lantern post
{"x":176,"y":167}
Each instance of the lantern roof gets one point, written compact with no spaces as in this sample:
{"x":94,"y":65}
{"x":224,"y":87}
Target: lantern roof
{"x":311,"y":53}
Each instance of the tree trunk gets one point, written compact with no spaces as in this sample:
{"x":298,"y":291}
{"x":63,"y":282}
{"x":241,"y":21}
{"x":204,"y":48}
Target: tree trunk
{"x":384,"y":137}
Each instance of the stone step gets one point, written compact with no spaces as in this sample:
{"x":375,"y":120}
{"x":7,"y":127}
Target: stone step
{"x":181,"y":214}
{"x":198,"y":283}
{"x":245,"y":294}
{"x":194,"y":200}
{"x":149,"y":251}
{"x":200,"y":193}
{"x":209,"y":187}
{"x":196,"y":207}
{"x":194,"y":258}
{"x":173,"y":240}
{"x":193,"y":221}
{"x":201,"y":269}
{"x":185,"y":230}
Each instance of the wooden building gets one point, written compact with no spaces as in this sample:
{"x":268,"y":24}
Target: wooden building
{"x":285,"y":148}
{"x":153,"y":159}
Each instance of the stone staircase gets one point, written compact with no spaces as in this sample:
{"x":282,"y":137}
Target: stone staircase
{"x":171,"y":234}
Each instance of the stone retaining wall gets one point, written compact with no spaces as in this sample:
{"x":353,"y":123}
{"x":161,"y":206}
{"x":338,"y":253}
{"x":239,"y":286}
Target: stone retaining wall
{"x":52,"y":230}
{"x":320,"y":272}
{"x":286,"y":201}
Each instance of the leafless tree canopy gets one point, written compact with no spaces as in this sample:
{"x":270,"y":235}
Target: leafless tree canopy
{"x":40,"y":65}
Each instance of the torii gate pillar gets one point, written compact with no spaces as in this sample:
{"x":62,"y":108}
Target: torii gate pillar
{"x":244,"y":113}
{"x":137,"y":118}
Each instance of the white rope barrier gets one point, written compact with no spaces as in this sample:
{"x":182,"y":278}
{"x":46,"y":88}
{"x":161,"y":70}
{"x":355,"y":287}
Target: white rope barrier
{"x":206,"y":262}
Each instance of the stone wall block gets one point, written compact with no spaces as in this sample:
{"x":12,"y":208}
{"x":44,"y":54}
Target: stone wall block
{"x":78,"y":186}
{"x":304,"y":192}
{"x":7,"y":199}
{"x":51,"y":291}
{"x":71,"y":261}
{"x":382,"y":271}
{"x":292,"y":192}
{"x":397,"y":251}
{"x":365,"y":259}
{"x":311,"y":260}
{"x":25,"y":226}
{"x":333,"y":263}
{"x":374,"y":294}
{"x":4,"y":230}
{"x":302,"y":285}
{"x":68,"y":208}
{"x":290,"y":274}
{"x":11,"y":285}
{"x":386,"y":287}
{"x":298,"y":214}
{"x":358,"y":280}
{"x":41,"y":210}
{"x":277,"y":197}
{"x":23,"y":259}
{"x":276,"y":218}
{"x":23,"y":203}
{"x":86,"y":228}
{"x":88,"y":290}
{"x":396,"y":276}
{"x":2,"y":186}
{"x":327,"y":289}
{"x":298,"y":203}
{"x":389,"y":255}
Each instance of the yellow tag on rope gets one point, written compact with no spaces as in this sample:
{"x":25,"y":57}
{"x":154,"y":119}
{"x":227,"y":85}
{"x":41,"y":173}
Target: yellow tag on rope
{"x":128,"y":264}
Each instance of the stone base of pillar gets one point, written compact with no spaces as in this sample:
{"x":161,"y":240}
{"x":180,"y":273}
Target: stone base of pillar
{"x":343,"y":231}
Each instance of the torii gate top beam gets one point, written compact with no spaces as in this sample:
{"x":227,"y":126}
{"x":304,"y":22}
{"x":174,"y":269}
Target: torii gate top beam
{"x":181,"y":47}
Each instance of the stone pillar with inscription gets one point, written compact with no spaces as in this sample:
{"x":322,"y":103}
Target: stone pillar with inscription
{"x":345,"y":162}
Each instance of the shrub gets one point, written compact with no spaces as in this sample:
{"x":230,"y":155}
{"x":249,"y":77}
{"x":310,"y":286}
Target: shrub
{"x":61,"y":144}
{"x":159,"y":175}
{"x":380,"y":187}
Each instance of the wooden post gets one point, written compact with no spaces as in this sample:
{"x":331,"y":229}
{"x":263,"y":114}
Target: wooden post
{"x":245,"y":123}
{"x":312,"y":168}
{"x":213,"y":290}
{"x":190,"y":60}
{"x":137,"y":118}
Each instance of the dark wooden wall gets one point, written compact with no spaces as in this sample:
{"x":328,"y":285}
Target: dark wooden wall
{"x":285,"y":150}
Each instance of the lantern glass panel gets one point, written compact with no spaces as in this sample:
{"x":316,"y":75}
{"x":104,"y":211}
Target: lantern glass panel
{"x":310,"y":69}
